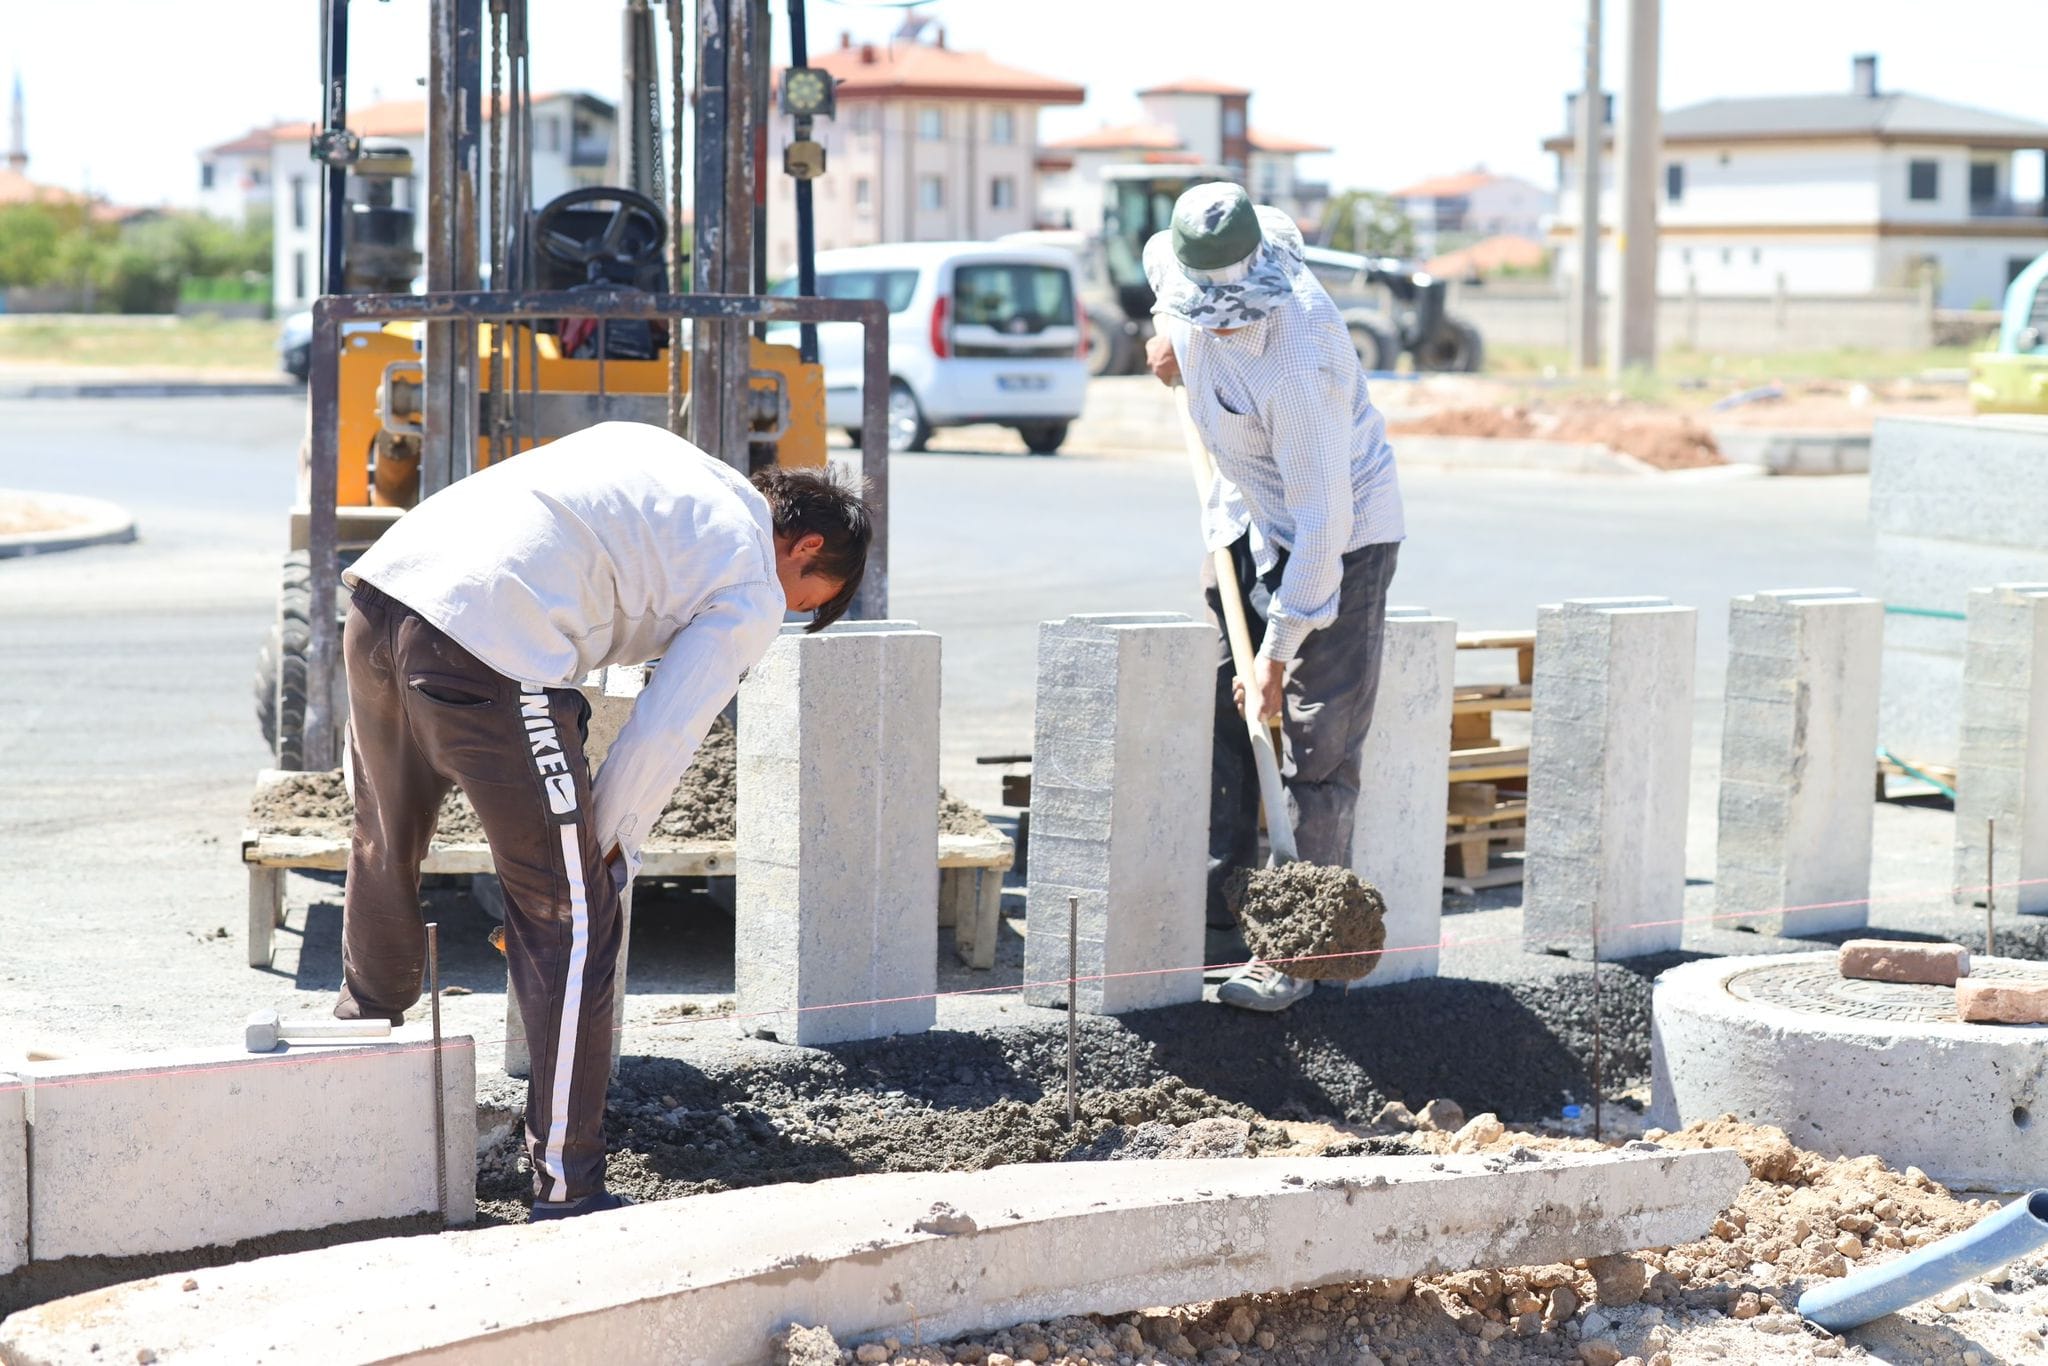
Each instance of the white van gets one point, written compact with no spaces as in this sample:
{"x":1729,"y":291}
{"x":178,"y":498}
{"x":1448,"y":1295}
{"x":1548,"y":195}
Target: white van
{"x":978,"y":332}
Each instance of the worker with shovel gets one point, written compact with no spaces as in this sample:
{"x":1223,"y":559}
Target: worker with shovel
{"x":474,"y":618}
{"x":1305,"y":506}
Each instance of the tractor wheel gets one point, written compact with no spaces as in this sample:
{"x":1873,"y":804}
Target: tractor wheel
{"x":1376,"y":346}
{"x":281,"y":664}
{"x":1455,"y":347}
{"x":1109,"y":346}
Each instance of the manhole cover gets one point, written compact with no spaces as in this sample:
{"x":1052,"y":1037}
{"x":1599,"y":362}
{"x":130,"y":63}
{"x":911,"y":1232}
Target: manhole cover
{"x":1818,"y":989}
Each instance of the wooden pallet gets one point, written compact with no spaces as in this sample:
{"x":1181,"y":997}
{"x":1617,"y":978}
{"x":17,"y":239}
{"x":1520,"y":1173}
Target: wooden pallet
{"x":1488,"y":806}
{"x":1914,"y":784}
{"x":971,"y":869}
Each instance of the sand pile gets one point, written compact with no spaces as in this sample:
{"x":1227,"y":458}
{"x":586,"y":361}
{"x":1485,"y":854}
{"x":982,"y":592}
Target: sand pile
{"x":1304,"y":912}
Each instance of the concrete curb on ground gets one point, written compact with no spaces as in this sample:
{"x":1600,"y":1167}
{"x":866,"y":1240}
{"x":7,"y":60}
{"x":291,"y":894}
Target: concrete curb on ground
{"x":152,"y":389}
{"x":103,"y":523}
{"x":1796,"y":452}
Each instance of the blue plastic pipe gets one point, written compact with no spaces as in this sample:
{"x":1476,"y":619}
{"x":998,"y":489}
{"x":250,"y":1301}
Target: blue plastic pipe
{"x":2003,"y":1237}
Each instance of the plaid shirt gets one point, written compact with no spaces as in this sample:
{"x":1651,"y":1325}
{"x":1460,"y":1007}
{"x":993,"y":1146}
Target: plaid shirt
{"x":1301,"y":453}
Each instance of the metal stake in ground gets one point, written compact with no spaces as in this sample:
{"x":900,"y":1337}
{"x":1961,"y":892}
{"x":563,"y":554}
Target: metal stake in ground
{"x":1073,"y":1006}
{"x":1596,"y":1031}
{"x":440,"y":1094}
{"x":1990,"y":880}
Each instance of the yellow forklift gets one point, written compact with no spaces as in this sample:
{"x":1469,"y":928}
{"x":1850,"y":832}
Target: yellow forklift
{"x":540,"y":320}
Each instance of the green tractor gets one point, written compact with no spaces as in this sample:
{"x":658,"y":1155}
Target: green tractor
{"x":2014,"y":378}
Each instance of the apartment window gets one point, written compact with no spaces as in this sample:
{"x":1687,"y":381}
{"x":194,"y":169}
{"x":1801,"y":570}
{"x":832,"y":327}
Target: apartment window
{"x":205,"y":175}
{"x":1727,"y":257}
{"x":931,"y":125}
{"x":1233,"y":123}
{"x":1983,"y":182}
{"x":863,"y":193}
{"x":1002,"y":192}
{"x":931,"y":192}
{"x":299,"y":208}
{"x":550,"y":129}
{"x":258,"y":176}
{"x":1674,"y":183}
{"x":1685,"y":255}
{"x":1002,"y":127}
{"x":863,"y":118}
{"x":1923,"y":180}
{"x":298,"y":275}
{"x":1756,"y":256}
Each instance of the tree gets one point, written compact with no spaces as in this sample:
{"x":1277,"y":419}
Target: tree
{"x":1369,"y":223}
{"x":39,"y":240}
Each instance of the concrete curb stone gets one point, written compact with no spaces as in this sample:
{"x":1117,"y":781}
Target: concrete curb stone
{"x":105,"y":524}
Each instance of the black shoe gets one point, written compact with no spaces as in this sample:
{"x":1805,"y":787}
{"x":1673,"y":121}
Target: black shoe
{"x":569,"y":1209}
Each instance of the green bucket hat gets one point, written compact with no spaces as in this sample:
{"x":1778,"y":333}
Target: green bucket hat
{"x":1224,"y":262}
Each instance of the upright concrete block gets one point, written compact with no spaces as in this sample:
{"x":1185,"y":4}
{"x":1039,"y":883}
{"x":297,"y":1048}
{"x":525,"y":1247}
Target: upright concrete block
{"x":838,"y":835}
{"x":204,"y":1147}
{"x":1120,"y":809}
{"x":1397,"y":841}
{"x":2002,"y":771}
{"x":13,"y":1174}
{"x":1610,"y":752}
{"x":1797,"y":742}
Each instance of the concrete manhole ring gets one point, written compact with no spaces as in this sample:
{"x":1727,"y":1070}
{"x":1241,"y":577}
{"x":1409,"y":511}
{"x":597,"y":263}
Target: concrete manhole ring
{"x":1816,"y":988}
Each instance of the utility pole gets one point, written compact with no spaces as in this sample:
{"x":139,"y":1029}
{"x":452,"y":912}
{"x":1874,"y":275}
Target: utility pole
{"x":1637,"y":144}
{"x":1589,"y":135}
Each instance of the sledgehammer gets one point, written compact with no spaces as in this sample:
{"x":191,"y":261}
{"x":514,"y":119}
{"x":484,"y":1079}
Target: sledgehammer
{"x":265,"y":1031}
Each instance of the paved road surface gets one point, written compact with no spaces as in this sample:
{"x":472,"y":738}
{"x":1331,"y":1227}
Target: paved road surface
{"x":127,"y":742}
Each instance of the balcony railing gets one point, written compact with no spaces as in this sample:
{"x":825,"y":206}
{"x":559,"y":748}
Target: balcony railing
{"x":591,"y":151}
{"x":2004,"y":207}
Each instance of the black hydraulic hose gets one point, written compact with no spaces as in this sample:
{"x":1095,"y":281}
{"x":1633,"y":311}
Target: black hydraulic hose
{"x":334,"y":103}
{"x":806,"y":216}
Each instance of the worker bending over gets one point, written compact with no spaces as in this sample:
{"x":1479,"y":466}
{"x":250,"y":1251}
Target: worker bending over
{"x":474,"y":617}
{"x":1306,"y":500}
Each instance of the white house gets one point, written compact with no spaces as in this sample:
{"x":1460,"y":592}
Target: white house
{"x":1452,"y":211}
{"x":929,"y":144}
{"x":572,"y":138}
{"x":1188,"y":122}
{"x":1833,"y":194}
{"x":234,"y":177}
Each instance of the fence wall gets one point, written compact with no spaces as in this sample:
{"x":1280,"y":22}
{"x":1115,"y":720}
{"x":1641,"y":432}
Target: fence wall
{"x":1883,"y":320}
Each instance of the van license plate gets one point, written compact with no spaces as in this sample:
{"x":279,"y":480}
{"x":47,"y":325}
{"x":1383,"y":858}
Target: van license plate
{"x":1020,"y":384}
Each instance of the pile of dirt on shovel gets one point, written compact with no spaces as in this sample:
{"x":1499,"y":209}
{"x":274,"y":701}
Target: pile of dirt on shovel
{"x":1325,"y":919}
{"x":701,"y":809}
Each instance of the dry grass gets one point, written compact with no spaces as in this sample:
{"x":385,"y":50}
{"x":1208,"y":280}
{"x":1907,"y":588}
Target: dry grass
{"x":201,"y":343}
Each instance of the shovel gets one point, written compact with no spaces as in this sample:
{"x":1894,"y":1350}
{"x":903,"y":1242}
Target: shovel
{"x":1279,"y":826}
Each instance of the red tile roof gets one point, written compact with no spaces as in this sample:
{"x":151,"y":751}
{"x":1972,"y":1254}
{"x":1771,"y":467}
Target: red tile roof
{"x":385,"y":119}
{"x":1489,"y":256}
{"x":1133,"y":137}
{"x":1447,"y":186}
{"x":255,"y":140}
{"x":1273,"y":142}
{"x":16,"y":188}
{"x":1195,"y":85}
{"x":879,"y":72}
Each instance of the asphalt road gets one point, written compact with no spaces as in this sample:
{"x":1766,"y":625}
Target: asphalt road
{"x":127,"y":741}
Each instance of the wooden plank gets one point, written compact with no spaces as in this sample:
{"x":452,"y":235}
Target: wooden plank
{"x":1492,"y":757}
{"x":1474,"y":799}
{"x":1503,"y":813}
{"x":703,"y":859}
{"x":1488,"y":707}
{"x":1499,"y":773}
{"x":1472,"y":730}
{"x":1501,"y":693}
{"x":1496,"y":640}
{"x":1509,"y":876}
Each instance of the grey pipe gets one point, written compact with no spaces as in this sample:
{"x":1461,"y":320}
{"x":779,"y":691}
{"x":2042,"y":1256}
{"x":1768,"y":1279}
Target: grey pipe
{"x":2003,"y":1237}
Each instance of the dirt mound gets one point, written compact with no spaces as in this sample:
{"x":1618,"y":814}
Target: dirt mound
{"x":701,"y":809}
{"x":1486,"y":422}
{"x":1666,"y":440}
{"x":1304,"y":911}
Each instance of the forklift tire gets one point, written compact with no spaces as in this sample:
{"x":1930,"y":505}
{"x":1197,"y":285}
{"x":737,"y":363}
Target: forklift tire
{"x":1455,"y":348}
{"x":281,"y":665}
{"x":1376,"y":346}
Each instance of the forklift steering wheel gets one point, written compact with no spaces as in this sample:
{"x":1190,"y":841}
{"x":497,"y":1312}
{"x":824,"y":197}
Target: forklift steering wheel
{"x":614,"y":246}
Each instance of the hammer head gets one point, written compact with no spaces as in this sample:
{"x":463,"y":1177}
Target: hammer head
{"x":260,"y":1036}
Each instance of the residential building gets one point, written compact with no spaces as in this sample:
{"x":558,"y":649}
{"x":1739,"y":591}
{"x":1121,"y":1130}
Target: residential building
{"x":234,"y":176}
{"x":572,"y":138}
{"x":1832,"y":194}
{"x":1192,"y":122}
{"x":929,"y":144}
{"x":1453,"y":211}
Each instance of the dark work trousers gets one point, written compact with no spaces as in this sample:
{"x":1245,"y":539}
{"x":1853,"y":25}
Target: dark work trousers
{"x":1331,"y":687}
{"x":425,"y":715}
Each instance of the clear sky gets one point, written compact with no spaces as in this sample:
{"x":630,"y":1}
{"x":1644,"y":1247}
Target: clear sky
{"x":121,"y":94}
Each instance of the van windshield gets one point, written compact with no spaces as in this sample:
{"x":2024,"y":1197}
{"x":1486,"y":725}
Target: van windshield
{"x":892,"y":287}
{"x":1013,"y":297}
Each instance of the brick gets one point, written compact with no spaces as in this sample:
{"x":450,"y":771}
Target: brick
{"x":1885,"y":960}
{"x":837,"y":864}
{"x":1610,"y":755}
{"x":1397,"y":841}
{"x":1120,"y":809}
{"x":1798,"y":729}
{"x":1985,"y":1001}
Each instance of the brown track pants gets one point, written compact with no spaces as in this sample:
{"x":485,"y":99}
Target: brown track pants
{"x":425,"y":715}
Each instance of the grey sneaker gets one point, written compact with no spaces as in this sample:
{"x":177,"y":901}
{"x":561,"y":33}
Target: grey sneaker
{"x":1260,"y":986}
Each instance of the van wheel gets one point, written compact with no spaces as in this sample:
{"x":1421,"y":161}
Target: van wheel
{"x":908,"y":431}
{"x":1043,"y":438}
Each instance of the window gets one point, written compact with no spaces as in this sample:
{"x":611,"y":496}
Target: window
{"x":1013,"y":298}
{"x":1002,"y":192}
{"x":298,"y":275}
{"x":1685,"y":255}
{"x":863,"y":190}
{"x":1727,"y":257}
{"x":1002,"y":127}
{"x":931,"y":192}
{"x":892,"y":287}
{"x":258,"y":176}
{"x":2014,"y":265}
{"x":205,"y":175}
{"x":550,"y":131}
{"x":1923,"y":180}
{"x":1233,"y":123}
{"x":1983,"y":182}
{"x":931,"y":124}
{"x":299,"y":208}
{"x":1674,"y":183}
{"x":863,"y":118}
{"x":1756,"y":256}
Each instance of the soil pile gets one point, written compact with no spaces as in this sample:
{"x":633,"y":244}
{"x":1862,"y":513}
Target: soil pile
{"x":1667,"y":440}
{"x":701,"y":809}
{"x":1307,"y":912}
{"x":1493,"y":423}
